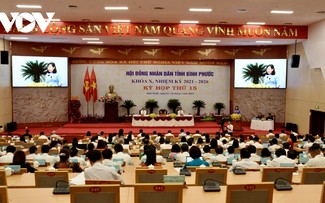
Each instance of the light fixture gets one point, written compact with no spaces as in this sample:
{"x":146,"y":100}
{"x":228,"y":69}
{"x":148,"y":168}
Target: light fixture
{"x":151,"y":43}
{"x":116,"y":8}
{"x":94,"y":42}
{"x":90,"y":38}
{"x":19,"y":38}
{"x":212,"y":40}
{"x":208,"y":44}
{"x":255,"y":23}
{"x":200,"y":9}
{"x":189,"y":21}
{"x":281,"y":12}
{"x":28,"y":6}
{"x":264,"y":42}
{"x":120,"y":21}
{"x":55,"y":20}
{"x":151,"y":40}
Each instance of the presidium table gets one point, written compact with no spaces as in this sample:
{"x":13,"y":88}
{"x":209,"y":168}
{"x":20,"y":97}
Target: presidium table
{"x":164,"y":120}
{"x":257,"y":124}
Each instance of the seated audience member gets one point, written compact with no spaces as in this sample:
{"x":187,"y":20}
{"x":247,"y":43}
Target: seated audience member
{"x":197,"y":134}
{"x":181,"y":157}
{"x":265,"y":153}
{"x":195,"y":153}
{"x":219,"y":157}
{"x":257,"y":143}
{"x":181,"y":133}
{"x":235,"y":143}
{"x":42,"y":136}
{"x":20,"y":159}
{"x":150,"y":157}
{"x":98,"y":171}
{"x":26,"y":137}
{"x":55,"y":137}
{"x":174,"y":151}
{"x":254,"y":156}
{"x":318,"y":159}
{"x":250,"y":140}
{"x":242,"y":143}
{"x":206,"y":152}
{"x":44,"y":155}
{"x":231,"y":152}
{"x":32,"y":153}
{"x":244,"y":162}
{"x":274,"y":145}
{"x":101,"y":144}
{"x":269,"y":117}
{"x":8,"y":157}
{"x":292,"y":154}
{"x":119,"y":154}
{"x":281,"y":158}
{"x":65,"y":163}
{"x":270,"y":134}
{"x":107,"y":155}
{"x":166,"y":144}
{"x":199,"y":141}
{"x":169,"y":134}
{"x":90,"y":147}
{"x":74,"y":154}
{"x":310,"y":142}
{"x":283,"y":134}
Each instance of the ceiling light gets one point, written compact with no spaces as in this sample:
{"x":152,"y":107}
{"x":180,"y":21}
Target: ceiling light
{"x":18,"y":38}
{"x":212,"y":40}
{"x":93,"y":42}
{"x":255,"y":23}
{"x":28,"y":6}
{"x":72,"y":6}
{"x":200,"y":9}
{"x":158,"y":8}
{"x":151,"y":43}
{"x":151,"y":40}
{"x":116,"y":8}
{"x":281,"y":12}
{"x":222,"y":22}
{"x":242,"y":10}
{"x":56,"y":20}
{"x":120,"y":21}
{"x":264,"y":42}
{"x":189,"y":21}
{"x":90,"y":38}
{"x":208,"y":44}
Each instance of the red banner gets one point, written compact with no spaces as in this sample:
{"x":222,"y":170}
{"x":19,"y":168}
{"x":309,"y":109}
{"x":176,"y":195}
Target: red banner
{"x":93,"y":85}
{"x":86,"y":87}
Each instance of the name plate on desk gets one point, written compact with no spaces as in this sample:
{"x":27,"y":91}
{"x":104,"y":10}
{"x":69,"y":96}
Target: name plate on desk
{"x":174,"y":179}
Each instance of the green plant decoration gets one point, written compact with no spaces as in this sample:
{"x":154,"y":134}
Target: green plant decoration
{"x":153,"y":115}
{"x":218,"y":106}
{"x":173,"y":104}
{"x":128,"y":104}
{"x":173,"y":115}
{"x":198,"y":104}
{"x":254,"y":72}
{"x":34,"y":70}
{"x":151,"y":104}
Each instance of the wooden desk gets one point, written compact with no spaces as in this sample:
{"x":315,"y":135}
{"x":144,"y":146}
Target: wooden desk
{"x":299,"y":194}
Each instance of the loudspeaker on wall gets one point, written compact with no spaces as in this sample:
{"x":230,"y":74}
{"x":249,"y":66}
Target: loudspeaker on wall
{"x":4,"y":57}
{"x":295,"y":59}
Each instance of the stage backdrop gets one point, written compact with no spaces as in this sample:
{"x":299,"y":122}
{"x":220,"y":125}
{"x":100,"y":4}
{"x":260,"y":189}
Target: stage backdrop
{"x":186,"y":81}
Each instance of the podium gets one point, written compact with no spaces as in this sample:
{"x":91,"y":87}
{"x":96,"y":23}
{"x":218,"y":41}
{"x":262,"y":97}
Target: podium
{"x":111,"y":112}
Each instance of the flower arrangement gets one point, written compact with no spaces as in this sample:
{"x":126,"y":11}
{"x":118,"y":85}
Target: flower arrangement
{"x":109,"y":99}
{"x":152,"y":115}
{"x":74,"y":109}
{"x":235,"y":117}
{"x":173,"y":115}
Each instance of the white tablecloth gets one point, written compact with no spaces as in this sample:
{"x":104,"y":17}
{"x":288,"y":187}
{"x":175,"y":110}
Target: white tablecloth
{"x":262,"y":125}
{"x":186,"y":120}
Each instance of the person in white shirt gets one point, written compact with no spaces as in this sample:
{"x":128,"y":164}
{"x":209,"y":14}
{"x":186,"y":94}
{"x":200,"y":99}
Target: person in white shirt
{"x":107,"y":155}
{"x":244,"y":162}
{"x":257,"y":143}
{"x":181,"y":157}
{"x":180,"y":111}
{"x":229,"y":128}
{"x":55,"y":137}
{"x":8,"y":157}
{"x":283,"y":134}
{"x":274,"y":145}
{"x":166,"y":144}
{"x":98,"y":171}
{"x":310,"y":142}
{"x":169,"y":134}
{"x":43,"y":136}
{"x":280,"y":159}
{"x":254,"y":156}
{"x":206,"y":152}
{"x":51,"y":159}
{"x":318,"y":159}
{"x":74,"y":154}
{"x":143,"y":111}
{"x":118,"y":148}
{"x":181,"y":134}
{"x":32,"y":153}
{"x":150,"y":151}
{"x":270,"y":135}
{"x":219,"y":157}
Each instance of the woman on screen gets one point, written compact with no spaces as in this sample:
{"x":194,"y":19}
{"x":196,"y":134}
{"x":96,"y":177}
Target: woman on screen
{"x":270,"y":79}
{"x":51,"y":77}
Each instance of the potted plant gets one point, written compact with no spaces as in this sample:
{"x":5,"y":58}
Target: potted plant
{"x":218,"y":106}
{"x":128,"y":104}
{"x":254,"y":72}
{"x":151,"y":104}
{"x":173,"y":104}
{"x":198,"y":104}
{"x":34,"y":70}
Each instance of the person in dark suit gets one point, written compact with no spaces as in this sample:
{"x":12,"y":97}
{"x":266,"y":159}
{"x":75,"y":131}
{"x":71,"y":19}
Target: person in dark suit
{"x":26,"y":135}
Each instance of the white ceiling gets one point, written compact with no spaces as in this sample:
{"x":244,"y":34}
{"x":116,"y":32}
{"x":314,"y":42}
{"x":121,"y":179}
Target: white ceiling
{"x":306,"y":12}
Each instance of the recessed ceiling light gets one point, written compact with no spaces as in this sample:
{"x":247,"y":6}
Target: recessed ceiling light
{"x":120,"y":21}
{"x":287,"y":23}
{"x":255,"y":23}
{"x":19,"y":38}
{"x":208,"y":44}
{"x":151,"y":40}
{"x":321,"y":12}
{"x":28,"y":6}
{"x":222,"y":22}
{"x":264,"y":42}
{"x":189,"y":21}
{"x":94,"y":42}
{"x":200,"y":9}
{"x":281,"y":12}
{"x":212,"y":40}
{"x":116,"y":8}
{"x":159,"y":8}
{"x":56,"y":20}
{"x":72,"y":6}
{"x":155,"y":21}
{"x":241,"y":10}
{"x":90,"y":38}
{"x":85,"y":20}
{"x":151,"y":43}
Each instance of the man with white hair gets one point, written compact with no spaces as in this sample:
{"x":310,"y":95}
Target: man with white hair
{"x":55,"y":137}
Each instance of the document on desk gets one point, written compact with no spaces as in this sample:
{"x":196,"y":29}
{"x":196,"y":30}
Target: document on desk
{"x":78,"y":180}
